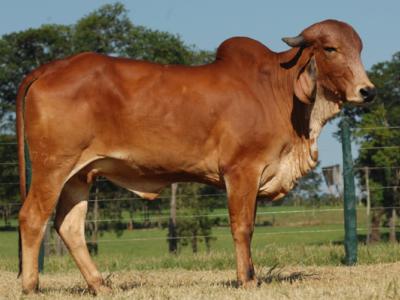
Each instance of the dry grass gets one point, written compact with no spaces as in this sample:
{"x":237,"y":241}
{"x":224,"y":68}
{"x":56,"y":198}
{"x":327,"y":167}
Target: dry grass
{"x":381,"y":281}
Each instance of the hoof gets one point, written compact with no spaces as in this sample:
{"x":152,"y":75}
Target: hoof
{"x":30,"y":289}
{"x":250,"y":284}
{"x":100,"y":290}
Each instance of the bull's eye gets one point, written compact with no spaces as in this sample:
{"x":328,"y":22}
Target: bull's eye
{"x":330,"y":49}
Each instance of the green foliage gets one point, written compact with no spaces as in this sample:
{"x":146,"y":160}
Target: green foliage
{"x":157,"y":46}
{"x":307,"y":190}
{"x":21,"y":52}
{"x":193,"y":222}
{"x":163,"y":47}
{"x":9,"y":177}
{"x":377,"y":140}
{"x":106,"y":30}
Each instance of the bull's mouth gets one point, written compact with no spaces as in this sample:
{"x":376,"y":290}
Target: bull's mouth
{"x":358,"y":102}
{"x":334,"y":96}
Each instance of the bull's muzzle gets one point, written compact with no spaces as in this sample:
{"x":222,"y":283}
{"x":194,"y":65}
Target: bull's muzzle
{"x":368,"y":93}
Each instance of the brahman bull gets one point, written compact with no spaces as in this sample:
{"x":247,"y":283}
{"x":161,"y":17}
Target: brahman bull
{"x":247,"y":122}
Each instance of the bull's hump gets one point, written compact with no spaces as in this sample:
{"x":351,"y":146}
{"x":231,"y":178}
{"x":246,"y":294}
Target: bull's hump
{"x":243,"y":48}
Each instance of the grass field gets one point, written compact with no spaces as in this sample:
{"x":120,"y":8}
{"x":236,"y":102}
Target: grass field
{"x":380,"y":281}
{"x":300,"y":244}
{"x":305,"y":227}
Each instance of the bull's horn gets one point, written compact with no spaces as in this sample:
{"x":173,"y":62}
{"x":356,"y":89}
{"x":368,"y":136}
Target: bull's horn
{"x":297,"y":41}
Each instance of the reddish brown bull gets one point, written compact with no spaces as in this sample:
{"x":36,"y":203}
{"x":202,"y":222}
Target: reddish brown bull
{"x":247,"y":122}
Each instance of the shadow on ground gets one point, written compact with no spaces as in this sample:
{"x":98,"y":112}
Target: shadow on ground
{"x":73,"y":290}
{"x":276,"y":274}
{"x":271,"y":275}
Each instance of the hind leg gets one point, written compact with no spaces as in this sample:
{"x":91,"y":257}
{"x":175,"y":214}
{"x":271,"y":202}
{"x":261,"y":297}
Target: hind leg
{"x":33,"y":217}
{"x":70,"y":225}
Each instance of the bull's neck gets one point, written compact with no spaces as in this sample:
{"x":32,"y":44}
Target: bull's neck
{"x":306,"y":120}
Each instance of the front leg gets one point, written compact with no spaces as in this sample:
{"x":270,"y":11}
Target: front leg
{"x":242,"y":188}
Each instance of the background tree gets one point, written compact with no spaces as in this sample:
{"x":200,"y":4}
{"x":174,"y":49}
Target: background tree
{"x":379,"y":136}
{"x":307,"y":190}
{"x":8,"y":184}
{"x":194,"y":224}
{"x":21,"y":52}
{"x":106,"y":30}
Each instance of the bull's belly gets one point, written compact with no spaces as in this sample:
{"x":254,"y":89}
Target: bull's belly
{"x":128,"y":177}
{"x":144,"y":180}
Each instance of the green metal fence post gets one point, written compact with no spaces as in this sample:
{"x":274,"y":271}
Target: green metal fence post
{"x":350,"y":216}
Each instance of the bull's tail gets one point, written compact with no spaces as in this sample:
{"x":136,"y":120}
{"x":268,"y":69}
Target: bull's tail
{"x":20,"y":104}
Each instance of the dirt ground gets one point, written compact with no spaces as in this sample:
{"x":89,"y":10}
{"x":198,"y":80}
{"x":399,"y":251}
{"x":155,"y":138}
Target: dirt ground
{"x":380,"y":281}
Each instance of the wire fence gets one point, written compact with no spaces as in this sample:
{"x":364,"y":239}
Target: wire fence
{"x":155,"y":216}
{"x":216,"y":236}
{"x":362,"y":230}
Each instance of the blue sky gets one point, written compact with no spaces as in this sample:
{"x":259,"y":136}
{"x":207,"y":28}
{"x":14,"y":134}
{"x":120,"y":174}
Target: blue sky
{"x":207,"y":23}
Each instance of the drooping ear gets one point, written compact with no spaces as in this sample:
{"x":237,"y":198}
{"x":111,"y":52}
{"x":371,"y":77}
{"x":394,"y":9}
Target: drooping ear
{"x":306,"y":82}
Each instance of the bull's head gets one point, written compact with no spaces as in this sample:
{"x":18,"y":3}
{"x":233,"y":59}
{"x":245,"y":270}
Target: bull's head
{"x":334,"y":66}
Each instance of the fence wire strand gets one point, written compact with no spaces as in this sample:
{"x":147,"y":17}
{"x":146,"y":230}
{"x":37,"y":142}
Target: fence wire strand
{"x":227,"y":235}
{"x":157,"y":217}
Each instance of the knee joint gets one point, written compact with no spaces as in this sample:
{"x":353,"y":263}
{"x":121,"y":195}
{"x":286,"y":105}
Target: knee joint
{"x":242,"y":232}
{"x":30,"y":221}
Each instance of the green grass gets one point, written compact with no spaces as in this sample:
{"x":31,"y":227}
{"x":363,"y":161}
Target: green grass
{"x":312,"y":237}
{"x":264,"y":256}
{"x":275,"y":215}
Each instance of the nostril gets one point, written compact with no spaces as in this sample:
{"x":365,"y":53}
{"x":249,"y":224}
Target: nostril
{"x":368,"y":93}
{"x":364,"y":92}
